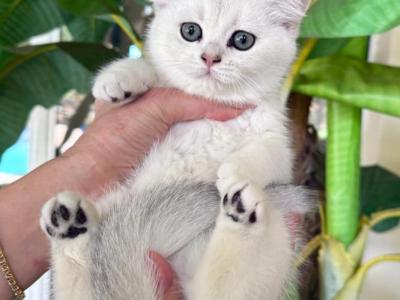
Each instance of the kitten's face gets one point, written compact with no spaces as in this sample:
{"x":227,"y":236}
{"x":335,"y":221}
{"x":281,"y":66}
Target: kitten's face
{"x":230,"y":50}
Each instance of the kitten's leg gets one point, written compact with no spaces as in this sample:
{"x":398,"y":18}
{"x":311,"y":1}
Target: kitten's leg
{"x":124,"y":80}
{"x":248,"y":256}
{"x":68,"y":220}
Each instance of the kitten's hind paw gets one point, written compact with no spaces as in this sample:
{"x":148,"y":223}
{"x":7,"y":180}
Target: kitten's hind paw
{"x":244,"y":204}
{"x":67,"y":216}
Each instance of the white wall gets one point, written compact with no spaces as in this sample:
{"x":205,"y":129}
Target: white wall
{"x":381,"y":145}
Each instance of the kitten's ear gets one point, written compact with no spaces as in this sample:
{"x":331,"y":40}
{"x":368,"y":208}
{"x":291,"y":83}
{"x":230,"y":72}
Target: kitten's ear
{"x":291,"y":13}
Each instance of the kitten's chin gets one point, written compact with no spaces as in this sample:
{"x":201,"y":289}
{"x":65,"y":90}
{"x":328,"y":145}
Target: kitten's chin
{"x":212,"y":87}
{"x":208,"y":86}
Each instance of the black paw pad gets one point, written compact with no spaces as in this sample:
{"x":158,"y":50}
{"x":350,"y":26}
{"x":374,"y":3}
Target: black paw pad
{"x":239,"y":207}
{"x":73,"y":232}
{"x":225,"y":200}
{"x":127,"y":95}
{"x":54,"y":219}
{"x":253,"y":217}
{"x":66,"y":222}
{"x":64,"y":212}
{"x":234,"y":218}
{"x":49,"y":231}
{"x":114,"y":100}
{"x":80,"y":217}
{"x":236,"y":197}
{"x":236,"y":201}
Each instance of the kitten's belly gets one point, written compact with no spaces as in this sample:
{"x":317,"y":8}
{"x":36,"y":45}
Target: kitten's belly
{"x":193,"y":151}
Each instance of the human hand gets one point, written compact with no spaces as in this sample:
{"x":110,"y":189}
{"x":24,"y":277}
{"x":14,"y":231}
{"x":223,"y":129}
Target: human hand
{"x":167,"y":282}
{"x":120,"y":137}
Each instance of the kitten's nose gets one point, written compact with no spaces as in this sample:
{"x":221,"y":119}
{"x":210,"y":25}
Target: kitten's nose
{"x":211,"y":59}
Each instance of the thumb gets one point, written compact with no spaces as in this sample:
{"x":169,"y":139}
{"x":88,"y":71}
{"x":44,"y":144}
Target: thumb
{"x":173,"y":292}
{"x":166,"y":277}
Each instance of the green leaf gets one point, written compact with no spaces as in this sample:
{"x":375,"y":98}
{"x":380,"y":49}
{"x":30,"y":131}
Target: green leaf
{"x":328,"y":47}
{"x":348,"y":18}
{"x":92,"y":7}
{"x":41,"y":75}
{"x":126,"y":27}
{"x":92,"y":56}
{"x":22,"y":19}
{"x":352,"y":81}
{"x":380,"y":190}
{"x":357,"y":47}
{"x":88,"y":29}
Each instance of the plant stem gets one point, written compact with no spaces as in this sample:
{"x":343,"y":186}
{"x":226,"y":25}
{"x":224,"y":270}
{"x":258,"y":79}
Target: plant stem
{"x":343,"y":172}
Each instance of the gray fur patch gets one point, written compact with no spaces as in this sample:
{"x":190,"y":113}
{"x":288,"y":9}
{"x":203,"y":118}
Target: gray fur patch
{"x":165,"y":220}
{"x":169,"y":220}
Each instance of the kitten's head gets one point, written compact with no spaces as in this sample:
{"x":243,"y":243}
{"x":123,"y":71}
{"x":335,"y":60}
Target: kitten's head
{"x":230,"y":50}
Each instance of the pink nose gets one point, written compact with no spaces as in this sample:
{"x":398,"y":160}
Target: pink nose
{"x":210,"y":59}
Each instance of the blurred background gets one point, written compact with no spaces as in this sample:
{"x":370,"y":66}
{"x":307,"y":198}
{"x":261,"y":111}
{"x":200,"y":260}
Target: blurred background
{"x":344,"y":94}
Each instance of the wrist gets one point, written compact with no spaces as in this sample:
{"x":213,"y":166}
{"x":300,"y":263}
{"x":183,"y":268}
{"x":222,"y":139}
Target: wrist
{"x":5,"y":291}
{"x":84,"y":174}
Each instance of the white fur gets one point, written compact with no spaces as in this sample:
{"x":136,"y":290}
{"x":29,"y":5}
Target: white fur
{"x":242,"y":76}
{"x":242,"y":260}
{"x":125,"y":75}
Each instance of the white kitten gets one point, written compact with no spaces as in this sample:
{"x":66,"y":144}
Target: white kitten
{"x":231,"y":244}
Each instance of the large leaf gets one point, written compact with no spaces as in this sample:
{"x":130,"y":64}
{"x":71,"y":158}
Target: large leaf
{"x":106,"y":10}
{"x":91,"y":56}
{"x":41,"y":75}
{"x":22,"y":19}
{"x":380,"y":190}
{"x":328,"y":47}
{"x":86,"y":29}
{"x":352,"y":81}
{"x":357,"y":48}
{"x":348,"y":18}
{"x":92,"y":7}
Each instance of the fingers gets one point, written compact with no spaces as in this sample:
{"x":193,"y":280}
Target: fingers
{"x":173,"y":293}
{"x":166,"y":276}
{"x":164,"y":270}
{"x":174,"y":106}
{"x":180,"y":107}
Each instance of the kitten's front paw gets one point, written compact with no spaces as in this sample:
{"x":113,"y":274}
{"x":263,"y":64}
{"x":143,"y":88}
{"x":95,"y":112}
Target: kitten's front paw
{"x":244,"y":204}
{"x":67,"y":216}
{"x":123,"y":80}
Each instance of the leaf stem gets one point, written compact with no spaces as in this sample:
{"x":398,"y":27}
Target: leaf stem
{"x":126,"y":28}
{"x":381,"y":216}
{"x":308,"y":250}
{"x":23,"y":58}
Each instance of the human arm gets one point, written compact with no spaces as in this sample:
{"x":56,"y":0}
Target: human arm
{"x":112,"y":147}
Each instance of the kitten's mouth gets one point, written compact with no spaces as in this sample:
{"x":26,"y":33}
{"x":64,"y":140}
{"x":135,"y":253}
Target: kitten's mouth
{"x":209,"y":74}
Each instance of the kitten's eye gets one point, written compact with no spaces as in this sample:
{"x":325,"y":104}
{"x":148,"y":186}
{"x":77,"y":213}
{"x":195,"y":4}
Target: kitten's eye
{"x":191,"y":32}
{"x":242,"y":40}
